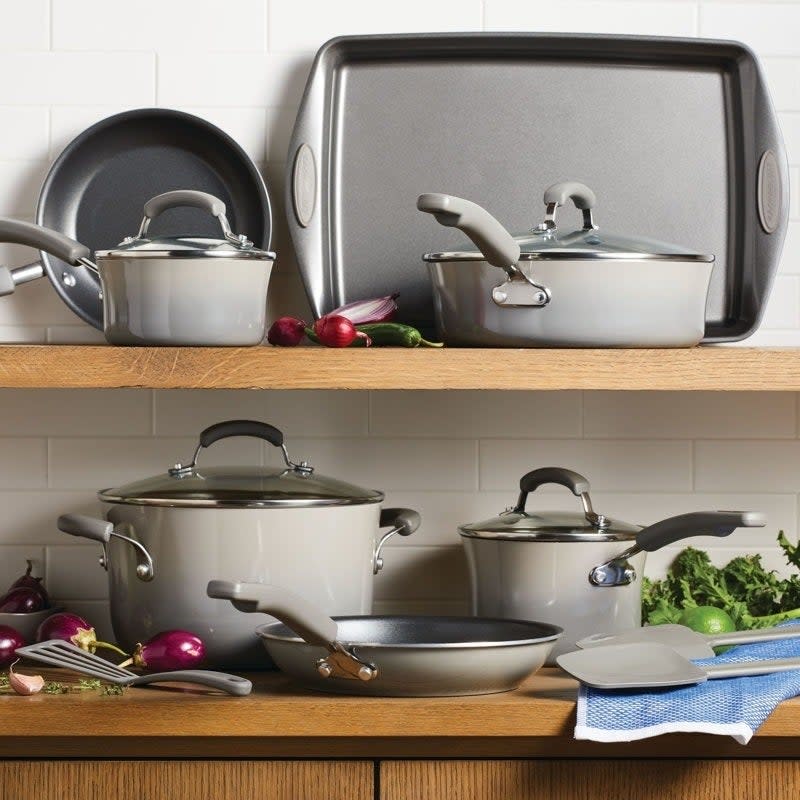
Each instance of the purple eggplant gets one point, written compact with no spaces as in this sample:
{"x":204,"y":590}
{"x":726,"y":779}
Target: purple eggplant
{"x":72,"y":628}
{"x":31,"y":582}
{"x":168,"y":651}
{"x":10,"y":640}
{"x":21,"y":600}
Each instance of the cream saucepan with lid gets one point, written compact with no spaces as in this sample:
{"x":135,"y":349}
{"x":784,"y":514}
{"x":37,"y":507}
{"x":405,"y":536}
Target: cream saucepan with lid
{"x":581,"y":570}
{"x":165,"y":537}
{"x":168,"y":290}
{"x":563,"y":287}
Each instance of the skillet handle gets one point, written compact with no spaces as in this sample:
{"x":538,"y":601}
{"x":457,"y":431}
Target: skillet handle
{"x":698,"y":523}
{"x":14,"y":231}
{"x":498,"y":246}
{"x":305,"y":619}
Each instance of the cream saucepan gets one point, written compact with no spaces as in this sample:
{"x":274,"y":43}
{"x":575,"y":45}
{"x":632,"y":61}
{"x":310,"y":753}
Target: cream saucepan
{"x":580,"y":570}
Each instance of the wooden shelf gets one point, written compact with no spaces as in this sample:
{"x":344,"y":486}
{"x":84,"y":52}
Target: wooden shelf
{"x":99,"y":367}
{"x":280,"y":720}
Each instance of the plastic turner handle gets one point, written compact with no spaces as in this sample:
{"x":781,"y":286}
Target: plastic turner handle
{"x":748,"y":668}
{"x":757,"y":635}
{"x":231,"y":684}
{"x":698,"y":523}
{"x":305,"y":619}
{"x":498,"y":246}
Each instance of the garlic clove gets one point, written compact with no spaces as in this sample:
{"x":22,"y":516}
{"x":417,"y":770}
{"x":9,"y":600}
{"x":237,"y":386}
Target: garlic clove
{"x":24,"y":684}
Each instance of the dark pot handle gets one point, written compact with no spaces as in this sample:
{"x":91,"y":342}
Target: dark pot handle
{"x":240,"y":427}
{"x":574,"y":481}
{"x":698,"y":523}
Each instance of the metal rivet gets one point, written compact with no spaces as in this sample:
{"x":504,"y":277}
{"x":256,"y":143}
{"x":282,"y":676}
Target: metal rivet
{"x":366,"y":673}
{"x":324,"y":669}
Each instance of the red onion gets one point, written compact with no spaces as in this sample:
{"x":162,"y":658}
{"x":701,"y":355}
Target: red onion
{"x":336,"y":331}
{"x":31,"y":582}
{"x":22,"y":600}
{"x":72,"y":628}
{"x":10,"y":640}
{"x":365,"y":312}
{"x":286,"y":332}
{"x":168,"y":651}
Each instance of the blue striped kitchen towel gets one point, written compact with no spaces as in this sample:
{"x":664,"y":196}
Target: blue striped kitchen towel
{"x":728,"y":706}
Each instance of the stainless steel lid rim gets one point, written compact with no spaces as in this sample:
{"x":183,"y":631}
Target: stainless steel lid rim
{"x":575,"y":255}
{"x":106,"y":497}
{"x":113,"y":255}
{"x":543,"y":536}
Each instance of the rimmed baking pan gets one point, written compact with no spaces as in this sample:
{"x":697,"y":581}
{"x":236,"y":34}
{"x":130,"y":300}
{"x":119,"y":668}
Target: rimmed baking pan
{"x":677,"y":136}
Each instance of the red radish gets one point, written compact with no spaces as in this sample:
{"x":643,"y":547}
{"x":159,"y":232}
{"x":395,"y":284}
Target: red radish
{"x":367,"y":312}
{"x":10,"y":640}
{"x":22,"y":600}
{"x":31,"y":582}
{"x":167,"y":651}
{"x":24,"y":684}
{"x":286,"y":332}
{"x":72,"y":628}
{"x":336,"y":331}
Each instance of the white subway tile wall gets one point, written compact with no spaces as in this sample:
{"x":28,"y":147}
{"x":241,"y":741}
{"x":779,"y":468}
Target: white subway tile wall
{"x":456,"y":456}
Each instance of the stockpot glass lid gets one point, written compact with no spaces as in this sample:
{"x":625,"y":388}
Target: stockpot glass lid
{"x":552,"y":526}
{"x":192,"y":485}
{"x":546,"y":241}
{"x":230,"y":245}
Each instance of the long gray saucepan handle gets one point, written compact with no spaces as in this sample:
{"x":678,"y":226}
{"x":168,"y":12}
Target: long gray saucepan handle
{"x":747,"y":668}
{"x":757,"y":635}
{"x":13,"y":231}
{"x":697,"y":523}
{"x":304,"y":618}
{"x":498,"y":246}
{"x":231,"y":684}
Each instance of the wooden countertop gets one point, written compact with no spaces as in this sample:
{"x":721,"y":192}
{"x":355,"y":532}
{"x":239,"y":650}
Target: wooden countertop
{"x":279,"y":720}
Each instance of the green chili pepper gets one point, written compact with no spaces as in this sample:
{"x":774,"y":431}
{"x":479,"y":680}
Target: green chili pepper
{"x":387,"y":334}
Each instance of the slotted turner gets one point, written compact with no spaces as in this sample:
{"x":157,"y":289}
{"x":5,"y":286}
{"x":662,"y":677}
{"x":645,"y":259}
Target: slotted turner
{"x":639,"y":666}
{"x":67,"y":655}
{"x":685,"y":641}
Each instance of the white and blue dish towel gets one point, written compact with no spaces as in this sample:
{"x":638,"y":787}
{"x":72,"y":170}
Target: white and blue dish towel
{"x":728,"y":706}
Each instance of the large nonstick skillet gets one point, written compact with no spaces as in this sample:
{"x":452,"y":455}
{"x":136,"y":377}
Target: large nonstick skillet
{"x":400,"y":656}
{"x":102,"y":179}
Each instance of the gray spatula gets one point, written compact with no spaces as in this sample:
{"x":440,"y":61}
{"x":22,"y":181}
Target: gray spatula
{"x":685,"y":641}
{"x":67,"y":655}
{"x":639,"y":666}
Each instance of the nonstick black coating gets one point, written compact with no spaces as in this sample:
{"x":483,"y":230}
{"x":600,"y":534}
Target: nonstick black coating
{"x":97,"y":187}
{"x":410,"y":631}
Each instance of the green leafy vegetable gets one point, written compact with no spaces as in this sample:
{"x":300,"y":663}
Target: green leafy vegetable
{"x":753,"y":596}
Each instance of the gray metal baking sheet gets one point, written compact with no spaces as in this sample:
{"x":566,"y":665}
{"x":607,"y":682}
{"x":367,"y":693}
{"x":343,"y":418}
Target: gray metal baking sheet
{"x":668,"y":132}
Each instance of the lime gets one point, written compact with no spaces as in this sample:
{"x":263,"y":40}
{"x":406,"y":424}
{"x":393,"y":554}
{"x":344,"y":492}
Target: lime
{"x":707,"y":619}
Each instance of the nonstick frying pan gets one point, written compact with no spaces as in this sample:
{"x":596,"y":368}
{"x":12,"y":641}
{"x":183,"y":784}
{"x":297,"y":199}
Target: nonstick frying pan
{"x":400,"y":656}
{"x":102,"y":179}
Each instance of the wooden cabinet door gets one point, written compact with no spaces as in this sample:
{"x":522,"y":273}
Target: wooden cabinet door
{"x":663,"y":779}
{"x":186,"y":780}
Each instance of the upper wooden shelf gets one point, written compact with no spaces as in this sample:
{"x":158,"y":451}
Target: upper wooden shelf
{"x":98,"y":367}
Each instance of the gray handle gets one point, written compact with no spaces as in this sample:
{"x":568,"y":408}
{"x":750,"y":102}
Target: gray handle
{"x":404,"y":521}
{"x":184,"y":197}
{"x":99,"y":530}
{"x":26,"y":233}
{"x":573,"y":481}
{"x":304,"y":618}
{"x":498,"y":246}
{"x":241,"y":427}
{"x":757,"y":635}
{"x":231,"y":684}
{"x":747,"y":668}
{"x":580,"y":194}
{"x":698,"y":523}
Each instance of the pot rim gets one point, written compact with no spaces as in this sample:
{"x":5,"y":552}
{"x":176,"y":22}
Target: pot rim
{"x":167,"y":502}
{"x":577,"y":255}
{"x":118,"y":255}
{"x":548,"y":536}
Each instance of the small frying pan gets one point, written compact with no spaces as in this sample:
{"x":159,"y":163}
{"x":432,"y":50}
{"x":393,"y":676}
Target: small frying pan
{"x":102,"y":179}
{"x":399,"y":656}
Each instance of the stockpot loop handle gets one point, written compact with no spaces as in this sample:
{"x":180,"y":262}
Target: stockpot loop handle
{"x":193,"y":199}
{"x":402,"y":521}
{"x":558,"y":194}
{"x":240,"y":427}
{"x":574,"y":481}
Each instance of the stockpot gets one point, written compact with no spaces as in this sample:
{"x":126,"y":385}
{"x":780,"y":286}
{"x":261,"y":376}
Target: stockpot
{"x":167,"y":290}
{"x":551,"y":287}
{"x":165,"y":537}
{"x":579,"y":570}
